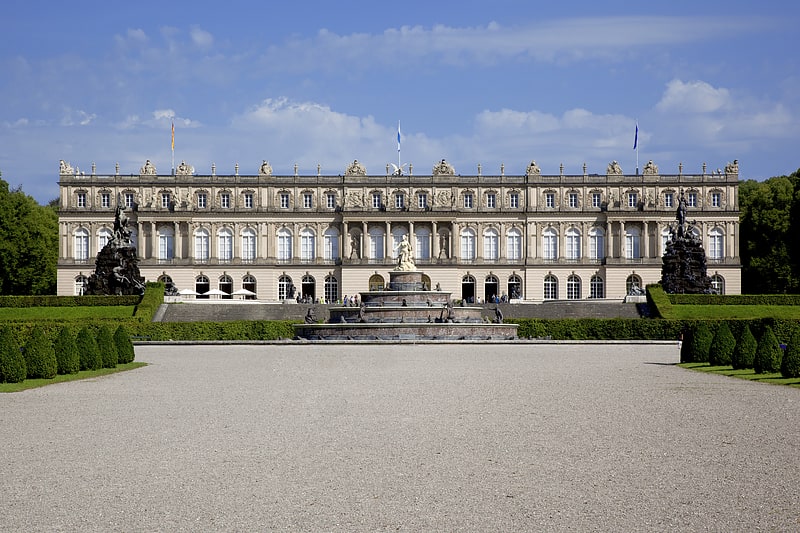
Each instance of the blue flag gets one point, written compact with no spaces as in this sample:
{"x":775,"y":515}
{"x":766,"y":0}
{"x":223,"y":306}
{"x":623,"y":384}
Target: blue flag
{"x":635,"y":138}
{"x":398,"y":135}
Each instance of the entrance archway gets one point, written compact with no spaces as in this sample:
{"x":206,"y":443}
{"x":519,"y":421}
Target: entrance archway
{"x":468,"y":288}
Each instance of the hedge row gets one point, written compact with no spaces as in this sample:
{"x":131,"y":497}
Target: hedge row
{"x":734,"y":299}
{"x":68,"y":301}
{"x":151,"y":300}
{"x":598,"y":328}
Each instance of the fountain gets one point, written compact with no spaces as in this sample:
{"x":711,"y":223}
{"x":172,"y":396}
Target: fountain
{"x":683,"y":269}
{"x":407,"y":309}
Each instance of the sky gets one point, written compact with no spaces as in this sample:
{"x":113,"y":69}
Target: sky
{"x":324,"y":83}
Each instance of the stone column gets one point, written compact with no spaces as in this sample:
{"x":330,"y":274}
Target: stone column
{"x":176,"y":244}
{"x":645,"y":240}
{"x":363,"y":248}
{"x":387,"y":247}
{"x":622,"y":252}
{"x":455,"y":238}
{"x":154,"y":240}
{"x":434,"y":240}
{"x":608,"y":248}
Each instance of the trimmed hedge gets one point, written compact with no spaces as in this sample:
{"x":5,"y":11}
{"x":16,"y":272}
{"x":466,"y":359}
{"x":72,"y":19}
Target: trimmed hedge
{"x":69,"y":361}
{"x":790,"y":366}
{"x":40,"y":357}
{"x":768,"y":353}
{"x":108,"y":349}
{"x":700,"y":343}
{"x":68,"y":301}
{"x":151,"y":300}
{"x":722,"y":346}
{"x":122,"y":341}
{"x":734,"y":299}
{"x":89,"y":353}
{"x":745,"y":351}
{"x":12,"y":362}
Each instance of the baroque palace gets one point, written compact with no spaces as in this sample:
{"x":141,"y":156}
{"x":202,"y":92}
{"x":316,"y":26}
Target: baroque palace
{"x":526,"y":237}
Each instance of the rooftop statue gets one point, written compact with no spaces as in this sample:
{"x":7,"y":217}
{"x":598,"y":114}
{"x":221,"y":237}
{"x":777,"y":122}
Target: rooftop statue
{"x":614,"y":169}
{"x":443,"y":168}
{"x":533,"y":169}
{"x":355,"y":169}
{"x":148,"y":169}
{"x":265,"y":169}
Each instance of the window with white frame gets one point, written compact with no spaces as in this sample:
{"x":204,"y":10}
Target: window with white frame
{"x":225,"y":200}
{"x":422,"y":200}
{"x":550,"y":200}
{"x":573,"y":287}
{"x":308,"y":200}
{"x":716,"y":246}
{"x":104,"y":237}
{"x":81,"y":199}
{"x":376,"y":200}
{"x":514,"y":244}
{"x":665,"y":238}
{"x":165,"y":200}
{"x":284,"y":245}
{"x":166,"y":243}
{"x":491,"y":200}
{"x":718,"y":284}
{"x":248,"y":200}
{"x":331,"y":289}
{"x":399,"y":200}
{"x":668,"y":199}
{"x":307,"y":244}
{"x":597,"y":244}
{"x":330,"y":244}
{"x":376,"y":248}
{"x":716,"y":199}
{"x":330,"y":200}
{"x":491,"y":245}
{"x":225,"y":240}
{"x":422,"y":243}
{"x":633,"y":199}
{"x":632,"y":241}
{"x":129,"y":199}
{"x":284,"y":200}
{"x":550,"y":287}
{"x":550,"y":245}
{"x":572,"y":198}
{"x":248,"y":245}
{"x":80,"y":285}
{"x":691,"y":199}
{"x":596,"y":199}
{"x":105,"y":199}
{"x":202,"y":200}
{"x":513,"y":200}
{"x":81,"y":251}
{"x":468,"y":200}
{"x":201,"y":245}
{"x":596,"y":287}
{"x":572,"y":242}
{"x":468,"y":244}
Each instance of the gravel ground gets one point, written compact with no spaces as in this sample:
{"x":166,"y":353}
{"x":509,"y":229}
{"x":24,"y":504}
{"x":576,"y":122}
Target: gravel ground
{"x":402,"y":437}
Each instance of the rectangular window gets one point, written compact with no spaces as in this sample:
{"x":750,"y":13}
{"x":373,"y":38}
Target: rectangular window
{"x":633,"y":199}
{"x":468,"y":200}
{"x":550,"y":200}
{"x":691,"y":199}
{"x":513,"y":200}
{"x":514,"y":247}
{"x":422,"y":200}
{"x":668,"y":199}
{"x":248,"y":247}
{"x":165,"y":198}
{"x":491,"y":201}
{"x":308,"y":202}
{"x":105,"y":200}
{"x":376,"y":200}
{"x":225,"y":200}
{"x":330,"y":200}
{"x":573,"y":200}
{"x":202,"y":200}
{"x":248,"y":200}
{"x":81,"y":199}
{"x":716,"y":199}
{"x":284,"y":200}
{"x":165,"y":247}
{"x":399,"y":200}
{"x":596,"y":201}
{"x":129,"y":199}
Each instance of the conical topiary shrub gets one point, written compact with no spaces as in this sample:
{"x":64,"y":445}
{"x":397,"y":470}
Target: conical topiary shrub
{"x":108,"y":350}
{"x":768,"y":353}
{"x":67,"y":352}
{"x":722,"y":345}
{"x":790,"y":367}
{"x":125,"y":352}
{"x":745,"y":351}
{"x":40,"y":357}
{"x":700,"y":343}
{"x":12,"y":362}
{"x":88,"y":351}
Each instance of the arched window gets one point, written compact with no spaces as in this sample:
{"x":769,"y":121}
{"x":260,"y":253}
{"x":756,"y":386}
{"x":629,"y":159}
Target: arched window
{"x":573,"y":244}
{"x":249,"y":283}
{"x":550,"y":245}
{"x":597,"y":244}
{"x":468,"y":245}
{"x":718,"y":284}
{"x":573,"y":287}
{"x":515,"y":287}
{"x":596,"y":287}
{"x":514,"y":244}
{"x":308,"y":287}
{"x":716,"y":247}
{"x":491,"y":288}
{"x":81,"y":251}
{"x":308,"y":242}
{"x":248,"y":245}
{"x":376,"y":249}
{"x":284,"y":245}
{"x":632,"y":240}
{"x":226,"y":286}
{"x":104,"y":236}
{"x":665,"y":238}
{"x":225,"y":240}
{"x":550,"y":287}
{"x":331,"y":289}
{"x":201,"y":251}
{"x":166,"y":243}
{"x":633,"y":284}
{"x":491,"y":245}
{"x":422,"y":243}
{"x":285,"y":287}
{"x":202,"y":286}
{"x":376,"y":282}
{"x":330,"y":244}
{"x":468,"y":288}
{"x":80,"y":285}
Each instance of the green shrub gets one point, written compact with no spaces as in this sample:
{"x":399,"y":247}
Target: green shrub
{"x":700,"y":343}
{"x":88,"y":351}
{"x":12,"y":362}
{"x":745,"y":350}
{"x":40,"y":357}
{"x":122,"y":341}
{"x":69,"y":361}
{"x":768,"y":353}
{"x":108,"y":350}
{"x":722,"y":346}
{"x":790,"y":366}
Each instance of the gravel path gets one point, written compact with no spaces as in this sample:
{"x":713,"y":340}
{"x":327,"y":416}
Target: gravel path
{"x":402,"y":437}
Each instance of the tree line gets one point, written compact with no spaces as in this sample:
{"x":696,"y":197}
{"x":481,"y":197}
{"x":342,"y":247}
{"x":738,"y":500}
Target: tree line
{"x":769,"y":238}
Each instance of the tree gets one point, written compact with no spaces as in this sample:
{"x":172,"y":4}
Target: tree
{"x":124,"y":345}
{"x":790,"y":366}
{"x":768,"y":353}
{"x":89,"y":353}
{"x":28,"y":244}
{"x":69,"y":361}
{"x":12,"y":362}
{"x":700,"y":343}
{"x":745,"y":350}
{"x":40,"y":357}
{"x":722,"y":346}
{"x":108,"y":350}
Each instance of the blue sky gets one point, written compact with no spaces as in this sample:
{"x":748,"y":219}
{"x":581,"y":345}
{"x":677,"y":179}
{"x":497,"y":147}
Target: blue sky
{"x":325,"y":83}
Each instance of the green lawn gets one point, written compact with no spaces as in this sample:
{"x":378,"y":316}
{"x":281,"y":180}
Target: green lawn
{"x":748,"y":374}
{"x":64,"y":313}
{"x":62,"y":378}
{"x":733,"y":312}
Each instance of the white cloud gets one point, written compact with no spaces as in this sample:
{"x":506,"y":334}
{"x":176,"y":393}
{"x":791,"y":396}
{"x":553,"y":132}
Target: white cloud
{"x":693,"y":97}
{"x":201,"y":38}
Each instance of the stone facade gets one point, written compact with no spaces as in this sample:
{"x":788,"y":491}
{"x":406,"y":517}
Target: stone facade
{"x":530,"y":237}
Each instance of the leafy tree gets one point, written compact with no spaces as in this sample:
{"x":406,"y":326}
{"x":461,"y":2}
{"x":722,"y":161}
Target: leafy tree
{"x":745,"y":351}
{"x":768,"y":353}
{"x":89,"y":353}
{"x":790,"y":366}
{"x":12,"y":362}
{"x":700,"y":343}
{"x":40,"y":357}
{"x":69,"y":361}
{"x":722,"y":346}
{"x":124,"y":345}
{"x":108,"y":350}
{"x":28,"y":244}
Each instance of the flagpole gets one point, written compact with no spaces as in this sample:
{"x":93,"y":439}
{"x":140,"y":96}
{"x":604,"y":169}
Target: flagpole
{"x":636,"y":146}
{"x":398,"y":149}
{"x":173,"y":147}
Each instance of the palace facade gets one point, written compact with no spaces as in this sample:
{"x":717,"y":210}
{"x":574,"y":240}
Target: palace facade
{"x":528,"y":237}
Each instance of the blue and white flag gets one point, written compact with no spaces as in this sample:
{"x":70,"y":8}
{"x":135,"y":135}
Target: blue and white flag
{"x":635,"y":138}
{"x":398,"y":135}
